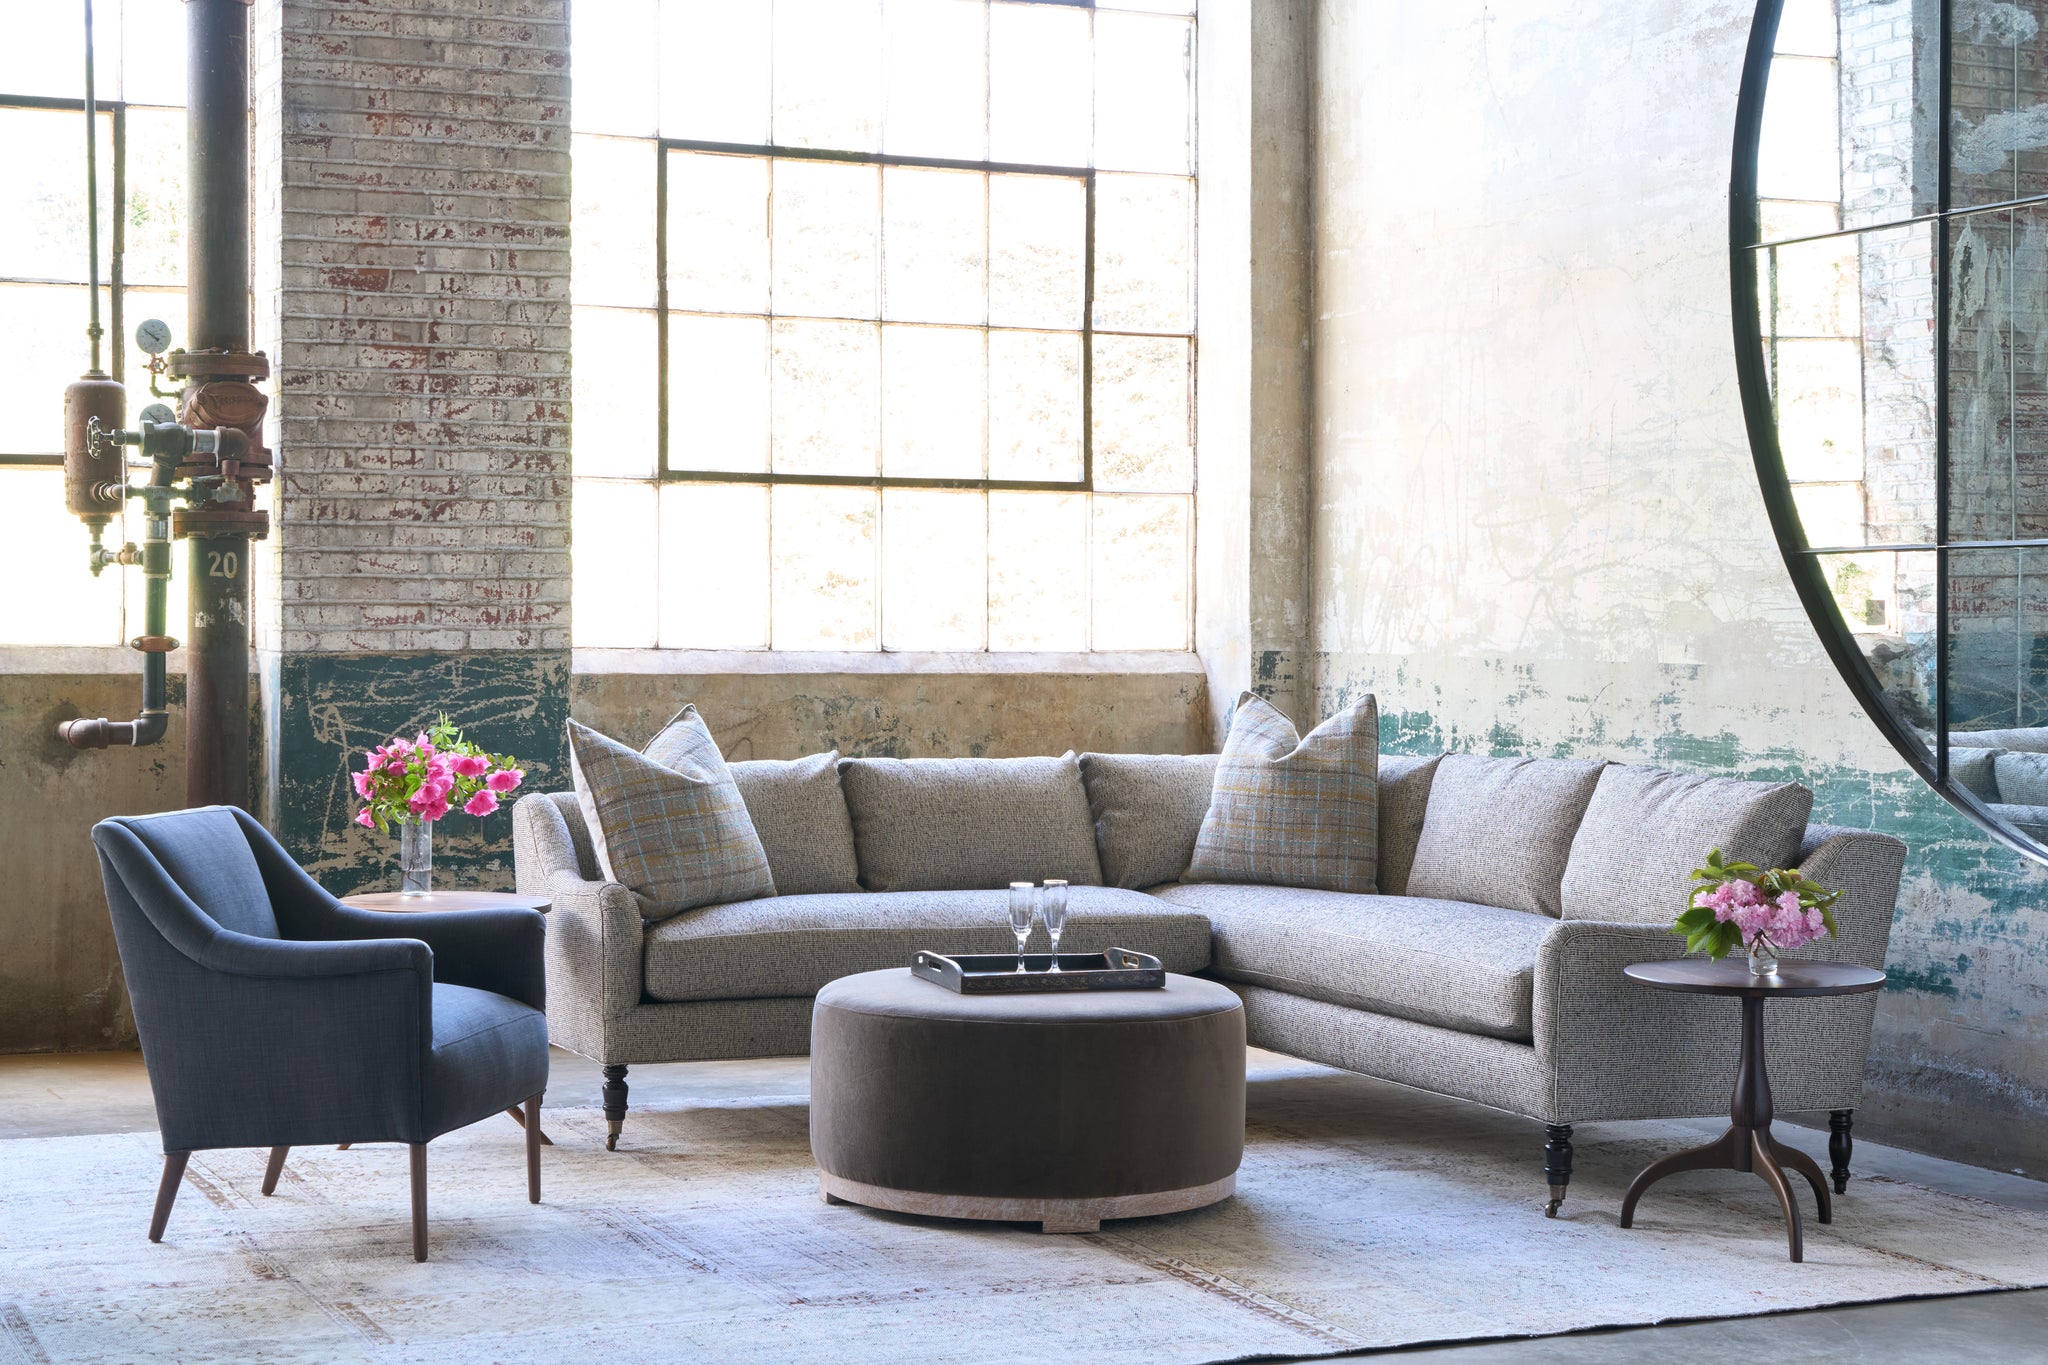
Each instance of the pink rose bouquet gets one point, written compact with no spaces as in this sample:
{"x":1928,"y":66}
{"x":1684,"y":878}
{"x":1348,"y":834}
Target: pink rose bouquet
{"x":418,"y":781}
{"x":1741,"y":905}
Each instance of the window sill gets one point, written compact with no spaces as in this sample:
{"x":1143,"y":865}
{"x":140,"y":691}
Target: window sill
{"x":79,"y":660}
{"x":742,"y":661}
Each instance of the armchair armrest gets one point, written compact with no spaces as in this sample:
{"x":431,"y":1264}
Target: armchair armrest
{"x":595,"y":959}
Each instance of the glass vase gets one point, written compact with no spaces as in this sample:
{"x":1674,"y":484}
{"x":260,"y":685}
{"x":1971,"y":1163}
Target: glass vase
{"x":416,"y":857}
{"x":1763,"y":957}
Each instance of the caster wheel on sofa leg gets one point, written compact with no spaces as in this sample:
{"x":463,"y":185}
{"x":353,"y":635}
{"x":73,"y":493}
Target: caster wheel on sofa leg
{"x":614,"y":1105}
{"x":1557,"y":1164}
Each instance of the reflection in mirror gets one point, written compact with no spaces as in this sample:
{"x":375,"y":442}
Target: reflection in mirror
{"x":1998,"y":375}
{"x":1998,"y":681}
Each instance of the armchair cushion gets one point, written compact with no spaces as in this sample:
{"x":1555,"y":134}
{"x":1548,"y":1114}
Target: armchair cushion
{"x":206,"y":853}
{"x":485,"y":1048}
{"x":1498,"y":831}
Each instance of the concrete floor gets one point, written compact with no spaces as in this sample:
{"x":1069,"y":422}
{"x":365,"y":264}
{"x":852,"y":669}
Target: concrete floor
{"x":54,"y":1095}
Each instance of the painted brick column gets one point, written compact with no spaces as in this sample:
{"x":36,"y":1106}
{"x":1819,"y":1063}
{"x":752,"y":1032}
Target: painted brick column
{"x":412,"y":197}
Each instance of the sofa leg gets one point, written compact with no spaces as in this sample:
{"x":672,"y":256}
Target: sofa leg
{"x":1840,"y":1145}
{"x":1557,"y":1164}
{"x":614,"y":1105}
{"x":167,"y":1192}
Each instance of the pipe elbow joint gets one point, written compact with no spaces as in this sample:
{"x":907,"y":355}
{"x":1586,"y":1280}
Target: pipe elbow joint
{"x":99,"y":733}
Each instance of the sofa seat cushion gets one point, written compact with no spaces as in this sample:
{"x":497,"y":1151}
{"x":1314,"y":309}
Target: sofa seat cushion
{"x":1448,"y":963}
{"x":793,"y":945}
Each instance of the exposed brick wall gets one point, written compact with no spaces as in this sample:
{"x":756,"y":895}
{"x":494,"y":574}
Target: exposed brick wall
{"x":418,"y":189}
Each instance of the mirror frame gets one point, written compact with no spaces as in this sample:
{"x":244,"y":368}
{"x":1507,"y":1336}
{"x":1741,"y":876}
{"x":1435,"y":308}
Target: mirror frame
{"x":1745,"y":233}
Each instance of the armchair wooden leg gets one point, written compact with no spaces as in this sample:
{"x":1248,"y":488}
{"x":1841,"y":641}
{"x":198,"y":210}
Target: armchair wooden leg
{"x":533,"y":1141}
{"x":614,"y":1105}
{"x":419,"y":1201}
{"x":274,"y":1169}
{"x":167,"y":1192}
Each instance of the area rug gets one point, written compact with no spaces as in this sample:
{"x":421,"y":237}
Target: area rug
{"x":1366,"y":1216}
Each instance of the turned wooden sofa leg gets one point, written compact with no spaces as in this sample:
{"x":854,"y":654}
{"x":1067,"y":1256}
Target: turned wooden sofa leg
{"x":1557,"y":1164}
{"x":1840,"y":1146}
{"x":614,"y":1105}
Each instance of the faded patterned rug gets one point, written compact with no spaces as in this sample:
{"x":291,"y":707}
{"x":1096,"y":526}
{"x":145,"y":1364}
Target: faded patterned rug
{"x":1366,"y":1216}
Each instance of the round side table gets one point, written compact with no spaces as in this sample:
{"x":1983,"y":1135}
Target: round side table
{"x":420,"y":902}
{"x":1748,"y":1144}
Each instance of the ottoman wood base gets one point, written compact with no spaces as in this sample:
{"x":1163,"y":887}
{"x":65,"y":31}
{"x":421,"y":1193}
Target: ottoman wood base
{"x":1051,"y":1215}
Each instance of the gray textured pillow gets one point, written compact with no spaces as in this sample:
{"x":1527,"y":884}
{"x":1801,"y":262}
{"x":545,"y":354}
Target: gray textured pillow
{"x":1288,"y":811}
{"x":1975,"y":770}
{"x":800,"y":814}
{"x":2022,"y":778}
{"x":1404,"y":783}
{"x":1498,"y":831}
{"x":1148,"y":809}
{"x":673,"y":832}
{"x":1646,"y":829}
{"x":968,"y":824}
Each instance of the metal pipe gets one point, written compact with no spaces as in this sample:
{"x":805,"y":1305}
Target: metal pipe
{"x":217,"y":672}
{"x":217,"y":175}
{"x":92,"y":195}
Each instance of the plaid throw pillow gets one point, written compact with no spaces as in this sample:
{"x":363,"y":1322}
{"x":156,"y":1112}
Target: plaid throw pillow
{"x":1294,"y":812}
{"x":669,"y":825}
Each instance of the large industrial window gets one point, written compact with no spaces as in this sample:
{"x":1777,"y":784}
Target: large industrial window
{"x":140,"y":83}
{"x":884,"y":324}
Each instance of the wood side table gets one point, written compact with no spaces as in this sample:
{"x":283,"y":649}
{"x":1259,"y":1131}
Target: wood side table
{"x":1748,"y":1144}
{"x":419,"y":902}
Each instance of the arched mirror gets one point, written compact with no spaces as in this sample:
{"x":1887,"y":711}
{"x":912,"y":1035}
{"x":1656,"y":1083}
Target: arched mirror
{"x":1889,"y":221}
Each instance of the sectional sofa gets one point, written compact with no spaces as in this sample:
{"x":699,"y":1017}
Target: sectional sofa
{"x":1487,"y":966}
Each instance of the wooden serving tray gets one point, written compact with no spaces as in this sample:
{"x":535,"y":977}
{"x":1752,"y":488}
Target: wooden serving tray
{"x":1118,"y":969}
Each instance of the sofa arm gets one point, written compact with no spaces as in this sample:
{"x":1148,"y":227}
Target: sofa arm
{"x":1865,"y":867}
{"x":594,"y":962}
{"x":548,"y":837}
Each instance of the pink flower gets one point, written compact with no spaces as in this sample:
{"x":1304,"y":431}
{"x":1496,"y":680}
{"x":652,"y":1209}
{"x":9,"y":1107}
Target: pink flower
{"x":434,"y":811}
{"x":506,"y":779}
{"x":472,"y":765}
{"x":362,"y":781}
{"x":482,"y":804}
{"x":365,"y":819}
{"x":396,"y":763}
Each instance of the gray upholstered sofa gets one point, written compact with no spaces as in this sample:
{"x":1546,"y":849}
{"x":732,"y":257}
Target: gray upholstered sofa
{"x":1488,"y":967}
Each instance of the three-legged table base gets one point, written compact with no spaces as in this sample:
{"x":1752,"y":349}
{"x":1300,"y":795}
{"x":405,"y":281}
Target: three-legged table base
{"x":1744,"y":1149}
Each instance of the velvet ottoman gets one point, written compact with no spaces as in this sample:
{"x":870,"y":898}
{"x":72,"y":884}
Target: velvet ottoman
{"x":1060,"y":1109}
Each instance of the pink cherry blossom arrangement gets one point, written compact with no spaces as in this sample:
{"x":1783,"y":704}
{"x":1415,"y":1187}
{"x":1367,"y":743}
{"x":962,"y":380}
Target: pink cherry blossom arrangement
{"x":1734,"y":905}
{"x":417,"y":781}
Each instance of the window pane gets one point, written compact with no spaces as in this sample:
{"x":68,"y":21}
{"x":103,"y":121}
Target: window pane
{"x":613,"y":529}
{"x":826,"y":397}
{"x":152,"y":52}
{"x":1997,"y":375}
{"x":1140,"y":575}
{"x":154,"y":249}
{"x":45,"y":49}
{"x":827,"y":216}
{"x":717,"y":232}
{"x":1037,"y":571}
{"x":1142,"y":437}
{"x":612,"y":67}
{"x":613,"y":428}
{"x":1040,"y":111}
{"x":41,"y":545}
{"x":934,"y":413}
{"x":1998,"y":640}
{"x":43,"y":347}
{"x":934,"y":224}
{"x":612,"y":219}
{"x":828,"y":74}
{"x":1798,"y":157}
{"x":1034,"y":405}
{"x":936,"y":74}
{"x":42,"y":163}
{"x":714,"y":566}
{"x":824,"y":569}
{"x":1142,"y":121}
{"x":717,"y":393}
{"x":934,"y":569}
{"x":1144,"y":253}
{"x":1038,"y":237}
{"x":714,"y":71}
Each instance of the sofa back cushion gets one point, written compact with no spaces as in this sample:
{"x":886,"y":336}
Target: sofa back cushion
{"x":1404,"y":782}
{"x":1646,"y":829}
{"x":1975,"y":770}
{"x":1498,"y":831}
{"x":1147,"y":809}
{"x":967,"y":824}
{"x":800,"y":816}
{"x":674,"y":832}
{"x":2022,"y":778}
{"x":1292,"y":811}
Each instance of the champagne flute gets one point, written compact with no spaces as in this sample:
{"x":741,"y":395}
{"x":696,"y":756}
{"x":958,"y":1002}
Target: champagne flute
{"x":1023,"y":908}
{"x":1053,"y":905}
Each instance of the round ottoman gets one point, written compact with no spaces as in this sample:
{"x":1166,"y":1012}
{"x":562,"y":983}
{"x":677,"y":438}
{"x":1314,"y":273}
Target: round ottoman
{"x":1060,"y":1109}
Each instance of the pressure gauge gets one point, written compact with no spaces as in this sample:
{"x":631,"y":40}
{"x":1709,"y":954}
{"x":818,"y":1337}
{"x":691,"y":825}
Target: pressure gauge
{"x":157,"y":414}
{"x":153,"y":336}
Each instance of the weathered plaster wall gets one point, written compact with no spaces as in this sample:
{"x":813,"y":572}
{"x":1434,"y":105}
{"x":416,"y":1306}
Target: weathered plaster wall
{"x":1537,"y":528}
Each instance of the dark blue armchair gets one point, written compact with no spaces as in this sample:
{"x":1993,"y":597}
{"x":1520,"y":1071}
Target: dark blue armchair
{"x":272,"y":1015}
